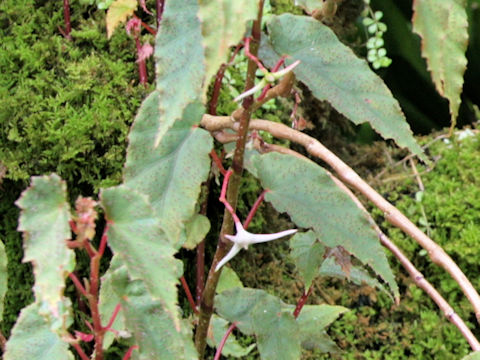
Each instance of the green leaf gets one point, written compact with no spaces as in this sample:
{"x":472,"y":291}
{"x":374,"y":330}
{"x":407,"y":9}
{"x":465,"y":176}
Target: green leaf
{"x":443,"y":27}
{"x":32,"y":338}
{"x":333,"y":73}
{"x":196,"y":230}
{"x":307,"y":252}
{"x":3,"y":277}
{"x":232,"y":347}
{"x":223,"y":25}
{"x":44,"y":223}
{"x":228,"y":280}
{"x":179,"y":58}
{"x":153,"y":329}
{"x":170,"y":174}
{"x":305,"y":191}
{"x":136,"y":236}
{"x":108,"y":300}
{"x":118,"y":12}
{"x":265,"y":316}
{"x":312,"y":320}
{"x":472,"y":356}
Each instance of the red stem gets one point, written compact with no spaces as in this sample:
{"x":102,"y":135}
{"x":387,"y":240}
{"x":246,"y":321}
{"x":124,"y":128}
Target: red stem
{"x":66,"y":16}
{"x":80,"y":351}
{"x":103,"y":241}
{"x":128,"y":354}
{"x":268,"y":86}
{"x":224,"y":340}
{"x":160,"y":6}
{"x":189,"y":295}
{"x":254,"y":209}
{"x":142,"y":67}
{"x":251,"y":56}
{"x":78,"y":284}
{"x":218,"y":81}
{"x":301,"y":302}
{"x":218,"y":162}
{"x":113,"y":317}
{"x":223,"y":198}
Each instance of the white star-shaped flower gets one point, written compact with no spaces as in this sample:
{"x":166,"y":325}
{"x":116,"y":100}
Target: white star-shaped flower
{"x":242,"y":239}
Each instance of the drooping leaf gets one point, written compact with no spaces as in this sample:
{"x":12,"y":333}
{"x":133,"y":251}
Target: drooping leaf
{"x":232,"y":347}
{"x":305,"y":191}
{"x":341,"y":258}
{"x":196,"y":230}
{"x":153,"y":329}
{"x":170,"y":174}
{"x":136,"y":236}
{"x":44,"y":223}
{"x":307,"y":252}
{"x":108,"y":300}
{"x":118,"y":12}
{"x":333,"y":73}
{"x":179,"y":58}
{"x":443,"y":27}
{"x":312,"y":320}
{"x":228,"y":280}
{"x":3,"y":277}
{"x":223,"y":25}
{"x":265,"y":316}
{"x":32,"y":338}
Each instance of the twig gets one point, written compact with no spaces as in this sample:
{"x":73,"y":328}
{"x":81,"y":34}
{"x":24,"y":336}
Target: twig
{"x":346,"y":174}
{"x":189,"y":294}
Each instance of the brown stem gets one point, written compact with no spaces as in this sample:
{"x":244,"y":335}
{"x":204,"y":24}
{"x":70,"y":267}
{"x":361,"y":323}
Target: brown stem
{"x":301,"y":302}
{"x":200,"y":281}
{"x":99,"y":330}
{"x":3,"y":342}
{"x":66,"y":16}
{"x":206,"y":306}
{"x":346,"y":174}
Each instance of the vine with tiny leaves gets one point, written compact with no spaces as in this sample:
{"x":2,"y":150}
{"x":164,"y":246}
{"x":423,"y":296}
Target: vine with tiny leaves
{"x":173,"y":157}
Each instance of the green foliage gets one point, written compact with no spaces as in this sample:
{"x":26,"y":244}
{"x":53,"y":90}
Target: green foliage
{"x":279,"y":335}
{"x":155,"y":333}
{"x":223,"y":25}
{"x":65,"y":106}
{"x":334,"y":73}
{"x":317,"y":203}
{"x":150,"y":256}
{"x":444,"y":32}
{"x":3,"y":277}
{"x":179,"y":59}
{"x":32,"y":338}
{"x":44,"y":222}
{"x":171,"y":173}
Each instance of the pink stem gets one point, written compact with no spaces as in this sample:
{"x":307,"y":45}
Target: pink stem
{"x":80,"y":351}
{"x":223,"y":198}
{"x":254,"y":209}
{"x":103,"y":241}
{"x":224,"y":340}
{"x":128,"y":354}
{"x":78,"y":284}
{"x":251,"y":56}
{"x":268,"y":86}
{"x":113,"y":317}
{"x":159,"y":5}
{"x":142,"y":67}
{"x":189,"y":295}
